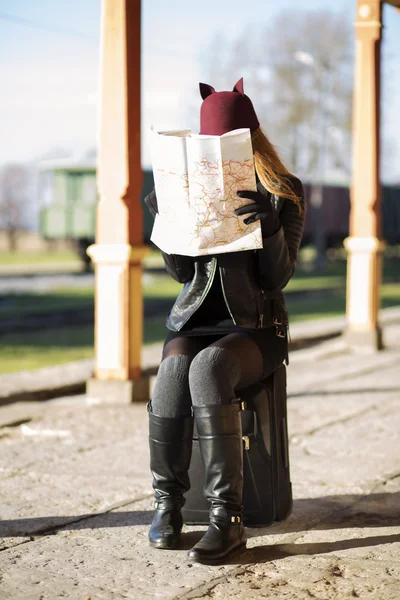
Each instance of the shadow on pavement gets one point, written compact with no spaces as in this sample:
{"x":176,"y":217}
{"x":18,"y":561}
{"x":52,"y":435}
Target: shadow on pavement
{"x":267,"y":553}
{"x":379,"y":390}
{"x":324,"y":513}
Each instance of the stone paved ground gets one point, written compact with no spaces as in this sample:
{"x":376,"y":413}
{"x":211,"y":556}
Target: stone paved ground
{"x":75,"y":496}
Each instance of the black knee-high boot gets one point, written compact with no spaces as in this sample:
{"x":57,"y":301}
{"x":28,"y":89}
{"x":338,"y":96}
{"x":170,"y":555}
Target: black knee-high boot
{"x":219,"y":430}
{"x":170,"y":441}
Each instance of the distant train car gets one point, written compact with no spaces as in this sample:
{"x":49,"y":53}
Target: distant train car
{"x":69,"y":199}
{"x":334,"y":215}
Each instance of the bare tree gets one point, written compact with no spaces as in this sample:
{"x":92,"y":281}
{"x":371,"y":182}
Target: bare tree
{"x":312,"y":76}
{"x":299,"y":70}
{"x":13,"y":199}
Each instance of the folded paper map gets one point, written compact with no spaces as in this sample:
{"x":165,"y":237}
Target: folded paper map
{"x":196,"y":178}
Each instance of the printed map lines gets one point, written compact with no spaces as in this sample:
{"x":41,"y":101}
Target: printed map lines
{"x":217,"y":224}
{"x":209,"y":191}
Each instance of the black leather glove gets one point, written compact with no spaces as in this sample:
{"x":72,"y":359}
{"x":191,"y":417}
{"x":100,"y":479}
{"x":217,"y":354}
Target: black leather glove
{"x":261,"y":208}
{"x":151,"y":203}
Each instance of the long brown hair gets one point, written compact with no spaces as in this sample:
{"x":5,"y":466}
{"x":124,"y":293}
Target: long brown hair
{"x":270,"y":169}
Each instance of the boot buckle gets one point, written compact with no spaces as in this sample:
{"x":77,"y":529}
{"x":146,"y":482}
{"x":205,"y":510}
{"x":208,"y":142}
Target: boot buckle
{"x":236,"y":519}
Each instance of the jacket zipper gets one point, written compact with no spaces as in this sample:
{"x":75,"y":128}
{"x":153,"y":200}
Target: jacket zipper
{"x":261,"y":317}
{"x":226,"y":301}
{"x":205,"y":292}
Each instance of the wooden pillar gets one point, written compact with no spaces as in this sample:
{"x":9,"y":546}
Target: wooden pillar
{"x":365,"y":245}
{"x":118,"y":251}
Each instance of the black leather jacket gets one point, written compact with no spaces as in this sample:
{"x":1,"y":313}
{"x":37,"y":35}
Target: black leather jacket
{"x":252,"y":280}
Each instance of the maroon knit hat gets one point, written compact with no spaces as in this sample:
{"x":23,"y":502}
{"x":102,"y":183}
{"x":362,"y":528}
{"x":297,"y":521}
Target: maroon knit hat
{"x":221,"y":112}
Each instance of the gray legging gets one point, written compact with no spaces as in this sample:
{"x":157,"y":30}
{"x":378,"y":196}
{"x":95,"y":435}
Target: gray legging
{"x":193,"y":370}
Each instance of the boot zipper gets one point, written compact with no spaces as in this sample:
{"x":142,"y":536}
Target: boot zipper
{"x":246,"y":440}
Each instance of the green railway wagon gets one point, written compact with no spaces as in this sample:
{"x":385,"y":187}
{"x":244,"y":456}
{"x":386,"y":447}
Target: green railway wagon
{"x":68,"y":205}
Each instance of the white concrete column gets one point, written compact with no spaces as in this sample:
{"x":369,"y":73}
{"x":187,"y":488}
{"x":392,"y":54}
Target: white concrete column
{"x":363,"y":283}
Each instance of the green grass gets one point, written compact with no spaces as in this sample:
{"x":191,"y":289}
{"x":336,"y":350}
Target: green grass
{"x":37,"y":258}
{"x":27,"y":258}
{"x":163,"y":286}
{"x":19,"y":305}
{"x":155,"y":330}
{"x":36,"y":349}
{"x":334,"y":304}
{"x":31,"y":350}
{"x":154,"y":259}
{"x":311,"y":283}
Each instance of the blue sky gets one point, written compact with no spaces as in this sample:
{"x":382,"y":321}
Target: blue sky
{"x":49,"y":67}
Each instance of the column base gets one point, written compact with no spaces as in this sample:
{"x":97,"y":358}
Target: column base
{"x":366,"y":342}
{"x":108,"y":391}
{"x":119,"y":310}
{"x":364,"y":273}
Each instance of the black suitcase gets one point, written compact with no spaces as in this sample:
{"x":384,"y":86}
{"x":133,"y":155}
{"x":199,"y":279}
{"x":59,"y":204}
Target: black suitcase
{"x":267,"y":491}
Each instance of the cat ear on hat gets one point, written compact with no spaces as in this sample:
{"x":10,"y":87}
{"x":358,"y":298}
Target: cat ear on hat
{"x":238,"y":87}
{"x":206,"y":90}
